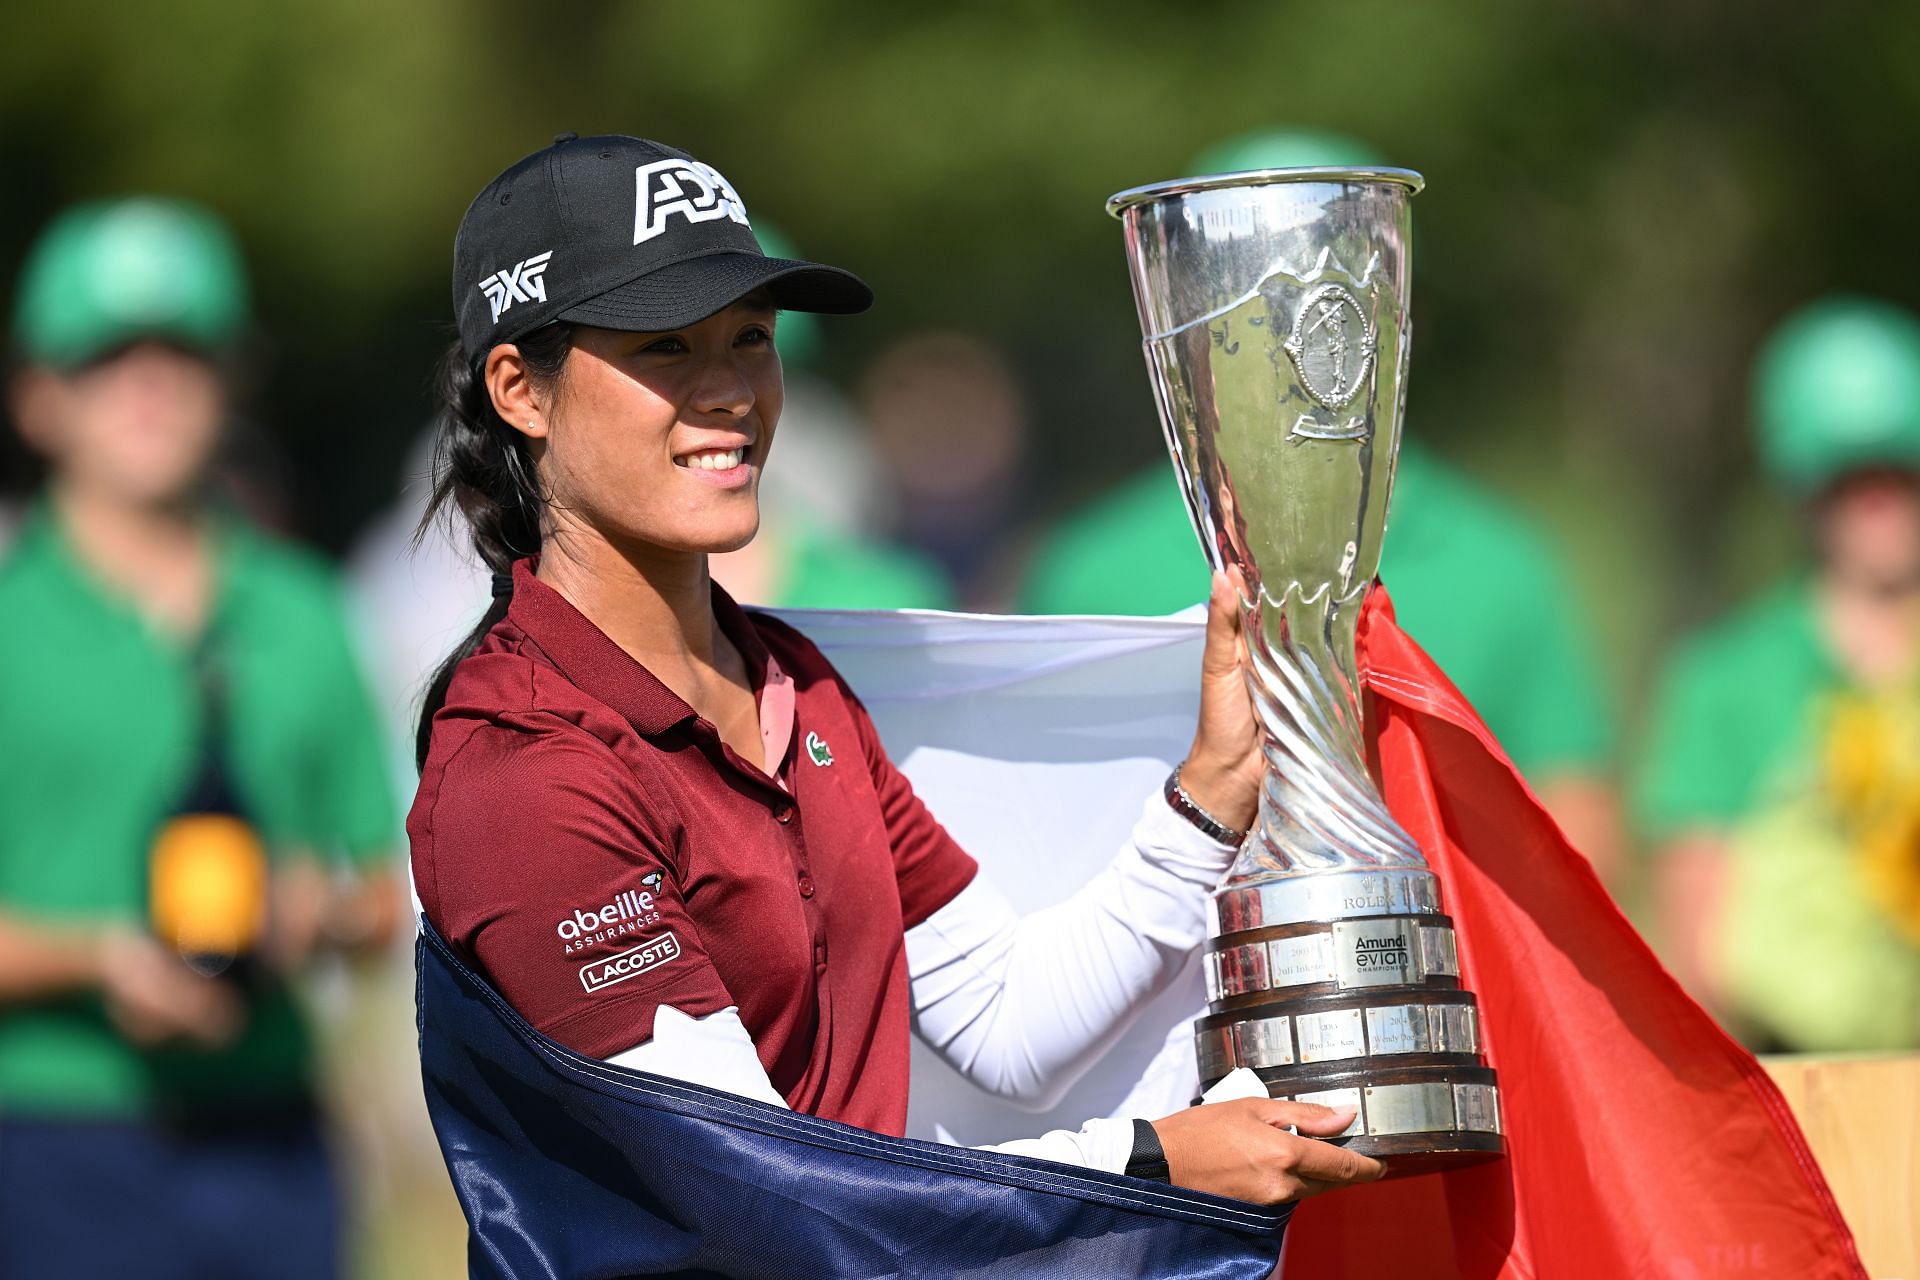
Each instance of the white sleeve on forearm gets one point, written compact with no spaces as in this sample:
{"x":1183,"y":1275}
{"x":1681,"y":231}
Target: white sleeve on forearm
{"x":1021,"y":1006}
{"x":717,"y":1052}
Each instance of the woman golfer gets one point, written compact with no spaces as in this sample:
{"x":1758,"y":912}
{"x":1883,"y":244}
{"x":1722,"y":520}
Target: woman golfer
{"x":664,"y":828}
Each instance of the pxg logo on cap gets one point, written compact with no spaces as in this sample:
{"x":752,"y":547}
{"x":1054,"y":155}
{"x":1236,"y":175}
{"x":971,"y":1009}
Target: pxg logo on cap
{"x":523,"y":282}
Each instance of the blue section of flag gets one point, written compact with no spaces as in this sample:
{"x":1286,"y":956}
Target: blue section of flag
{"x":570,"y":1167}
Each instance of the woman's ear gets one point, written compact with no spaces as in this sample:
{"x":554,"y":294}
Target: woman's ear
{"x":514,"y":396}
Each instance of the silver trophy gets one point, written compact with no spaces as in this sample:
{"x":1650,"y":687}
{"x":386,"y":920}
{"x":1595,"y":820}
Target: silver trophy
{"x":1274,"y":305}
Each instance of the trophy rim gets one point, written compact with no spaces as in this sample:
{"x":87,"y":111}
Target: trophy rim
{"x":1133,"y":197}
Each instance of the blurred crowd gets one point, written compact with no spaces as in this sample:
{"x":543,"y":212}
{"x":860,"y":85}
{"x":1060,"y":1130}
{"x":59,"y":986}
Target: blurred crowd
{"x":206,"y":729}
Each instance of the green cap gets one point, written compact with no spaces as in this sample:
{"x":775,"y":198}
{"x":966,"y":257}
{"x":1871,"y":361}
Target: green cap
{"x":1285,"y":148}
{"x":107,"y":273}
{"x":1837,"y":388}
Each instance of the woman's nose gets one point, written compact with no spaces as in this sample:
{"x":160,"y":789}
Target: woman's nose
{"x":724,"y":387}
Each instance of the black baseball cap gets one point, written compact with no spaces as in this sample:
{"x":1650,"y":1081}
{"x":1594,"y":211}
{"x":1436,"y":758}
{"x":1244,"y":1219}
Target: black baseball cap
{"x":622,"y":233}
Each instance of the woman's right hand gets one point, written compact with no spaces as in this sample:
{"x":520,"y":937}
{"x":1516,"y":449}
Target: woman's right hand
{"x":1224,"y":766}
{"x":1241,"y":1149}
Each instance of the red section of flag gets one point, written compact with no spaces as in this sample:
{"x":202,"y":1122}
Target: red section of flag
{"x":1642,"y":1141}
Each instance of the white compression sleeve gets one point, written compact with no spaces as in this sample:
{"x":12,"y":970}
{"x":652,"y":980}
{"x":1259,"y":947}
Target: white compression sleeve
{"x":717,"y":1052}
{"x":1021,"y":1006}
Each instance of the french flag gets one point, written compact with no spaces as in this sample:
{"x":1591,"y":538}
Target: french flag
{"x":1642,"y":1141}
{"x":566,"y":1166}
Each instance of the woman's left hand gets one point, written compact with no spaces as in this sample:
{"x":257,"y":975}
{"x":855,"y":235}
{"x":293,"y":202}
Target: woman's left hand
{"x":1222,"y":769}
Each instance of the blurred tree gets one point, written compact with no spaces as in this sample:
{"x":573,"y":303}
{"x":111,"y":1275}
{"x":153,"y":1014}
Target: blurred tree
{"x":1622,"y":197}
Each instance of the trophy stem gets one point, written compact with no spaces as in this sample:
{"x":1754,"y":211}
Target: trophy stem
{"x":1319,"y":809}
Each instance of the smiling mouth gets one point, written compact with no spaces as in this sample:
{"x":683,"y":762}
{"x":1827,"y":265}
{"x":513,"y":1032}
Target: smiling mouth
{"x":712,"y":459}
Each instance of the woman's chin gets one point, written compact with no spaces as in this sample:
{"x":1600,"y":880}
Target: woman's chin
{"x":711,"y":527}
{"x":734,"y":543}
{"x":720,"y":537}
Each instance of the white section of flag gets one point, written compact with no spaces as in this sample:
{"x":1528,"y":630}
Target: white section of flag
{"x":1033,"y":740}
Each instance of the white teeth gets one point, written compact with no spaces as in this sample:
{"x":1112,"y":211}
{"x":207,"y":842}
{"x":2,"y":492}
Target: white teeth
{"x":722,"y":461}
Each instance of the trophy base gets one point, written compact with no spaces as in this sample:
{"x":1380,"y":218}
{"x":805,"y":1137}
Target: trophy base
{"x":1416,"y":1118}
{"x":1410,"y":1155}
{"x":1413,"y":1119}
{"x":1363,"y":1011}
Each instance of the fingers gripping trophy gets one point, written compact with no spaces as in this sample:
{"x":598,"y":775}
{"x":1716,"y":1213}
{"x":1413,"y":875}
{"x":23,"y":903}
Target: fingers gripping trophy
{"x":1274,"y":305}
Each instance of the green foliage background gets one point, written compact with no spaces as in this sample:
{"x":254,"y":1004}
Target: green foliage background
{"x":1623,"y":197}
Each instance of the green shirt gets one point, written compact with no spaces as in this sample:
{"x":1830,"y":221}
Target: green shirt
{"x":1733,"y":714}
{"x":1471,"y":582}
{"x":1760,"y":738}
{"x":100,"y":728}
{"x":821,"y":569}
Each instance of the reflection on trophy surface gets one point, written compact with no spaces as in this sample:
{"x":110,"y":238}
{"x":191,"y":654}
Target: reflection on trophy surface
{"x":1274,"y":306}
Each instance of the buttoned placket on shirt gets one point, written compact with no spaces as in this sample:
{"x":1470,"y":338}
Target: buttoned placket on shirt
{"x":655,"y":711}
{"x":775,"y":702}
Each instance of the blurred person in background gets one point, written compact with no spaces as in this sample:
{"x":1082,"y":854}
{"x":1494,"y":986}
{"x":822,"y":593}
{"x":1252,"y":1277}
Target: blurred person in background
{"x":1781,"y":786}
{"x":194,"y":806}
{"x":1476,"y":583}
{"x":415,"y":591}
{"x":817,"y":547}
{"x":950,"y":423}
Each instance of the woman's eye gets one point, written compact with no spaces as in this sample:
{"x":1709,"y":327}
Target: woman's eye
{"x":665,"y":346}
{"x":758,"y":335}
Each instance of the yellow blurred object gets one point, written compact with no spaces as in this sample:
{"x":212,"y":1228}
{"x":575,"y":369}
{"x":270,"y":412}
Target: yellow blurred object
{"x":1890,"y":862}
{"x":208,"y":885}
{"x":1872,"y":766}
{"x":1859,"y":751}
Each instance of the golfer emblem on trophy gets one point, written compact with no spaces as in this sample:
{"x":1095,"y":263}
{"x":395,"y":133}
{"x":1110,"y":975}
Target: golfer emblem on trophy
{"x":1274,"y":309}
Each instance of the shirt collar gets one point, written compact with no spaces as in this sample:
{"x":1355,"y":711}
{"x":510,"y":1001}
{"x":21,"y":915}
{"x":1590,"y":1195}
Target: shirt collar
{"x":599,"y":667}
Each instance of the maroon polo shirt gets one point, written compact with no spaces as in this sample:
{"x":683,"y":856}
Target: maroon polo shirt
{"x":586,"y":839}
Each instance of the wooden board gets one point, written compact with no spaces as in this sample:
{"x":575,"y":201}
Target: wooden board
{"x":1862,"y":1118}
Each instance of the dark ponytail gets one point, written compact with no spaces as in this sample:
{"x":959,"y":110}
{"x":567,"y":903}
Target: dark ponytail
{"x":482,"y":467}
